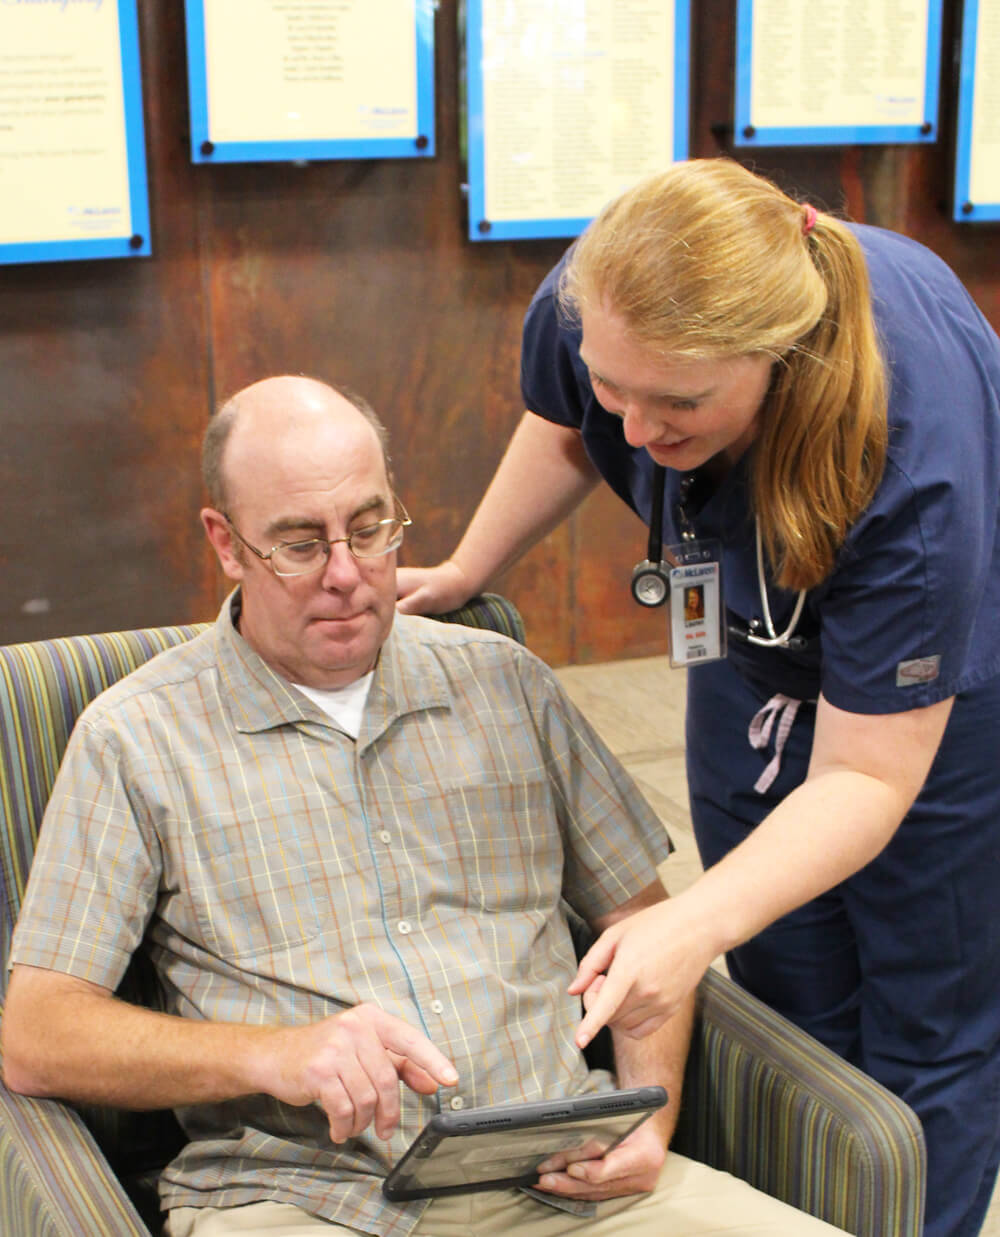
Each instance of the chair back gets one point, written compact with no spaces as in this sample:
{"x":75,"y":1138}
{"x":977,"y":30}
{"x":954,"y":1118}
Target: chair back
{"x":44,"y":687}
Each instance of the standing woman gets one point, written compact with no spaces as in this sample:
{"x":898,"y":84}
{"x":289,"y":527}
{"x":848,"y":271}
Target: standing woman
{"x":820,"y":401}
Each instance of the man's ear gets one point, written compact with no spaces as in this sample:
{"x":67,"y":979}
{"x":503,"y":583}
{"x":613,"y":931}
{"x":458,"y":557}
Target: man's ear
{"x":223,"y":541}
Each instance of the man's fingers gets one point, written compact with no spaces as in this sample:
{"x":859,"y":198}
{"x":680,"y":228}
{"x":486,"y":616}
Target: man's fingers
{"x":359,"y":1068}
{"x":405,"y":1041}
{"x":347,"y":1105}
{"x":415,"y":1078}
{"x":351,"y":1065}
{"x":398,"y":1051}
{"x":383,"y":1075}
{"x":623,"y":1161}
{"x":631,"y":1168}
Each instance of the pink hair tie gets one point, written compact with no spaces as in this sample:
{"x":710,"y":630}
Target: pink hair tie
{"x":809,"y":222}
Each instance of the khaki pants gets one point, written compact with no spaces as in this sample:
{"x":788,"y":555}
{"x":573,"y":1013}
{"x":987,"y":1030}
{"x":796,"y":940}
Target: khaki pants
{"x":690,"y":1200}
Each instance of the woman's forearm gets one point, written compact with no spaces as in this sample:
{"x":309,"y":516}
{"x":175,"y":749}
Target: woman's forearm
{"x":823,"y":832}
{"x":544,"y":475}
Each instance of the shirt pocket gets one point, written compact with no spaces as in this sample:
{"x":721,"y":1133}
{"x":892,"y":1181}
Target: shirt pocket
{"x":488,"y":845}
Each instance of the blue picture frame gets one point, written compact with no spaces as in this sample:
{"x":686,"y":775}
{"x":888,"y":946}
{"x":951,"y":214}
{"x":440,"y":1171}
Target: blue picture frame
{"x":136,"y":243}
{"x":746,"y":134}
{"x":965,"y":210}
{"x":480,"y":228}
{"x":205,"y":150}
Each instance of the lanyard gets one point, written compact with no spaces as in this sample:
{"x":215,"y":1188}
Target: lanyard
{"x":651,"y":577}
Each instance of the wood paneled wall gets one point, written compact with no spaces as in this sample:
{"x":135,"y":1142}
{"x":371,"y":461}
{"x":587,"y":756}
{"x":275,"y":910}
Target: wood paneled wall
{"x":357,"y":272}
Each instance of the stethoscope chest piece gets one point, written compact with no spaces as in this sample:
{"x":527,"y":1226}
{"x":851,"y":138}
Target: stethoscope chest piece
{"x":650,"y":583}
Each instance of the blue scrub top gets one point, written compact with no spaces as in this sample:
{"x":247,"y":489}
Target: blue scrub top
{"x":915,"y":591}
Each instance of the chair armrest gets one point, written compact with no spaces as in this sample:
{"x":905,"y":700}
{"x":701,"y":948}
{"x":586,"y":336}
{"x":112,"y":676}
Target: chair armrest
{"x":766,"y":1102}
{"x":54,"y":1182}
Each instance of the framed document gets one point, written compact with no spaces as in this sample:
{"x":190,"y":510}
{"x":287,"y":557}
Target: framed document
{"x":844,"y":72}
{"x":72,"y":144}
{"x":567,"y":104}
{"x":310,"y":79}
{"x":977,"y":154}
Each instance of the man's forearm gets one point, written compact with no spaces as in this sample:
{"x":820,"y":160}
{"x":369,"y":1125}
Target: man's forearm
{"x":91,"y":1047}
{"x":69,"y":1038}
{"x":658,"y":1059}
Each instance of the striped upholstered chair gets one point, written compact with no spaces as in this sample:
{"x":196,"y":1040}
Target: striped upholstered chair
{"x":762,"y":1100}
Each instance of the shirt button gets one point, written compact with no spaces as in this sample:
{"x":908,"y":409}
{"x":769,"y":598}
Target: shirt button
{"x":437,"y":1007}
{"x":405,"y":927}
{"x":385,"y":836}
{"x":456,"y":1102}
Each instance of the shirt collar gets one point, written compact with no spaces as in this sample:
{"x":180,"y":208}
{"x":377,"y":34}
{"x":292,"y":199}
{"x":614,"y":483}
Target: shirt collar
{"x":407,"y":679}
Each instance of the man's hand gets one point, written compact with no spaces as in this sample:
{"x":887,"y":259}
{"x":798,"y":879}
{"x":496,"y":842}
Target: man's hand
{"x":633,"y":1167}
{"x":67,"y":1037}
{"x":351,"y":1064}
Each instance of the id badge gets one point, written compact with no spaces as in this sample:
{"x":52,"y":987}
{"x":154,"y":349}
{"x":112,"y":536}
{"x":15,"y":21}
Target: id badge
{"x":697,"y":627}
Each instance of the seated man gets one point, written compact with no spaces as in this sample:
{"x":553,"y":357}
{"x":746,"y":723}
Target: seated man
{"x":345,"y":843}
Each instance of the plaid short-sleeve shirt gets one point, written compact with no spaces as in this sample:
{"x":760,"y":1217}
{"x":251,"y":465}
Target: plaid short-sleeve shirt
{"x":278,"y":871}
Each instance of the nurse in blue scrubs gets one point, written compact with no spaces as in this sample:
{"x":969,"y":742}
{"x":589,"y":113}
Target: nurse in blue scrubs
{"x":808,"y":413}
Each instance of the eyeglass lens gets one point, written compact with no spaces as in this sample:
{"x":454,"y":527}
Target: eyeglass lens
{"x":298,"y":557}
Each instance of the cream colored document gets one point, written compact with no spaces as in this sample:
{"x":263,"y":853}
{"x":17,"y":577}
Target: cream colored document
{"x":63,"y":152}
{"x":578,"y":102}
{"x":842,"y":63}
{"x":310,"y":70}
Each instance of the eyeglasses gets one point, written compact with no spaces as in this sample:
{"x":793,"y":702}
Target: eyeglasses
{"x":301,"y":558}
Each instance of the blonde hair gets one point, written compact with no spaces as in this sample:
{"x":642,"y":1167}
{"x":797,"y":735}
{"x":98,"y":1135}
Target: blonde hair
{"x":708,"y":261}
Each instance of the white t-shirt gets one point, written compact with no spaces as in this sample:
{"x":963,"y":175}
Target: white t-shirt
{"x":344,"y":704}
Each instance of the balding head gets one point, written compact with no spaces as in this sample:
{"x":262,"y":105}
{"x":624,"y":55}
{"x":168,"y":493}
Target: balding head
{"x":292,"y":462}
{"x":264,"y":411}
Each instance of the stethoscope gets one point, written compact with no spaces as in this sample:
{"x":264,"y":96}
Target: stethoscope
{"x":651,"y":577}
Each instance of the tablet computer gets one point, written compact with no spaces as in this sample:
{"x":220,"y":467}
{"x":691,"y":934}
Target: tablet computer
{"x":501,"y":1146}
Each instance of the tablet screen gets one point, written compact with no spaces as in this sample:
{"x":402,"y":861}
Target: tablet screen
{"x":503,"y":1146}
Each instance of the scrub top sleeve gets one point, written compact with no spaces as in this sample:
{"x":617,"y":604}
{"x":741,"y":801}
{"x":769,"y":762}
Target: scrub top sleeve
{"x":902,"y":616}
{"x":910,"y":615}
{"x":551,"y":369}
